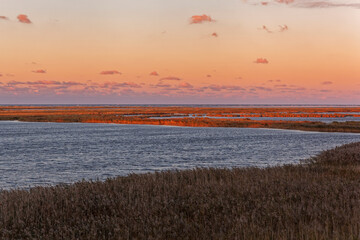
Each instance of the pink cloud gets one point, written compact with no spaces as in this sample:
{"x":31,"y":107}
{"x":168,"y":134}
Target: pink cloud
{"x":45,"y":82}
{"x":266,"y":29}
{"x":283,"y":28}
{"x":217,"y":88}
{"x":261,"y":61}
{"x":200,"y":19}
{"x":170,"y":79}
{"x":4,"y":18}
{"x":1,"y":75}
{"x":154,"y":73}
{"x":116,"y":85}
{"x":185,"y":85}
{"x":327,"y":83}
{"x":23,"y":19}
{"x":209,"y":76}
{"x":162,"y":85}
{"x":110,"y":72}
{"x":285,"y":1}
{"x":39,"y":71}
{"x":326,"y":4}
{"x":214,"y":34}
{"x":277,"y":80}
{"x":264,"y":3}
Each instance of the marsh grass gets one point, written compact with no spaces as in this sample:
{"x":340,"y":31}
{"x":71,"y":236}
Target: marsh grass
{"x":306,"y":201}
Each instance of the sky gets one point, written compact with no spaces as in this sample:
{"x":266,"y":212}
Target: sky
{"x":180,"y":51}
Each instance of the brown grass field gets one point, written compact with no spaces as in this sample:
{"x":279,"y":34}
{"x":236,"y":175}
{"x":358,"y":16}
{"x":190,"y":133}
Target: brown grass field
{"x":142,"y":115}
{"x":318,"y":199}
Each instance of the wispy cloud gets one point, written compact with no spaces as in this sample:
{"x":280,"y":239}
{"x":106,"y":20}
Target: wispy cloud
{"x":261,"y":61}
{"x":185,"y":85}
{"x":23,"y":19}
{"x":154,"y":73}
{"x":110,"y":72}
{"x":327,"y":83}
{"x":283,"y":28}
{"x":39,"y":71}
{"x":200,"y":19}
{"x":265,"y":28}
{"x":326,"y":4}
{"x":4,"y":18}
{"x":284,"y":1}
{"x":170,"y":79}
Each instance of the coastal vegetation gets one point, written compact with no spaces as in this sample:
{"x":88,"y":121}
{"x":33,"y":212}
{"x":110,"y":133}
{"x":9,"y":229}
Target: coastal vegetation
{"x":191,"y":116}
{"x":317,"y":199}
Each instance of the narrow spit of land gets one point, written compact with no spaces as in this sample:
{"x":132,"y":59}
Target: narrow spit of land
{"x":191,"y":116}
{"x":319,"y":199}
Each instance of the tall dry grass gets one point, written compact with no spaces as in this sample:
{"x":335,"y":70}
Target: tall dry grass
{"x":306,"y":201}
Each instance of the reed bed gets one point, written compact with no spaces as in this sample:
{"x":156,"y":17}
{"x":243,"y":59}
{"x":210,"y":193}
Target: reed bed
{"x":318,"y":199}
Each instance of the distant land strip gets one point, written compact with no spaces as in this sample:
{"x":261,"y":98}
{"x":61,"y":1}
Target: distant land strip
{"x":191,"y":116}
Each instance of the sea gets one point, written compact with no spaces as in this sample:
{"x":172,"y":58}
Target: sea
{"x":45,"y":154}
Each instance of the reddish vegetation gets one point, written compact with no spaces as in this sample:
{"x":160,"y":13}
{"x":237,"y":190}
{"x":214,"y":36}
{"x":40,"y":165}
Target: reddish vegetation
{"x":142,"y":115}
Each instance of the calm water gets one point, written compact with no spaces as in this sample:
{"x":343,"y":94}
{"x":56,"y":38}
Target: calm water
{"x":34,"y":154}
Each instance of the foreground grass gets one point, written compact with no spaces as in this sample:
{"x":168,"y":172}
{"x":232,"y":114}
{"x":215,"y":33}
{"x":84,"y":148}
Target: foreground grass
{"x":319,"y":199}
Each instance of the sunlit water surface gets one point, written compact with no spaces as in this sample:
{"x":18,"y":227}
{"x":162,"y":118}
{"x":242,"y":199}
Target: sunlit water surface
{"x":33,"y":154}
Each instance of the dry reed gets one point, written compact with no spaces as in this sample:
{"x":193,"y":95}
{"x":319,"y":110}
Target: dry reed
{"x":306,"y":201}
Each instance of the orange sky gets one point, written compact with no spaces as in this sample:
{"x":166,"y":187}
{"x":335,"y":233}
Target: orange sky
{"x":203,"y":51}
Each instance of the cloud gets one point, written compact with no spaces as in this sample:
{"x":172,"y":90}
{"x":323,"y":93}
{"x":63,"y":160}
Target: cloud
{"x":311,"y":3}
{"x":263,"y":88}
{"x":185,"y":85}
{"x":23,"y":19}
{"x":277,"y":80}
{"x":110,"y":72}
{"x":284,"y":1}
{"x":261,"y":60}
{"x":326,"y":4}
{"x":4,"y":18}
{"x":154,"y":73}
{"x":215,"y":87}
{"x":116,"y":85}
{"x":283,"y":28}
{"x":209,"y":76}
{"x":170,"y":79}
{"x":39,"y":71}
{"x":214,"y":34}
{"x":266,"y":29}
{"x":45,"y":82}
{"x":1,"y":75}
{"x":327,"y":83}
{"x":200,"y":19}
{"x":161,"y":85}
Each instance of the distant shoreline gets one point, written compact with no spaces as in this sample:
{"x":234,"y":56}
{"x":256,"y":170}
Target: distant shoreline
{"x":174,"y":116}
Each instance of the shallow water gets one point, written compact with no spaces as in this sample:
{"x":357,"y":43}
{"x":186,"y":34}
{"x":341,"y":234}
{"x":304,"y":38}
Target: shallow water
{"x":33,"y":154}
